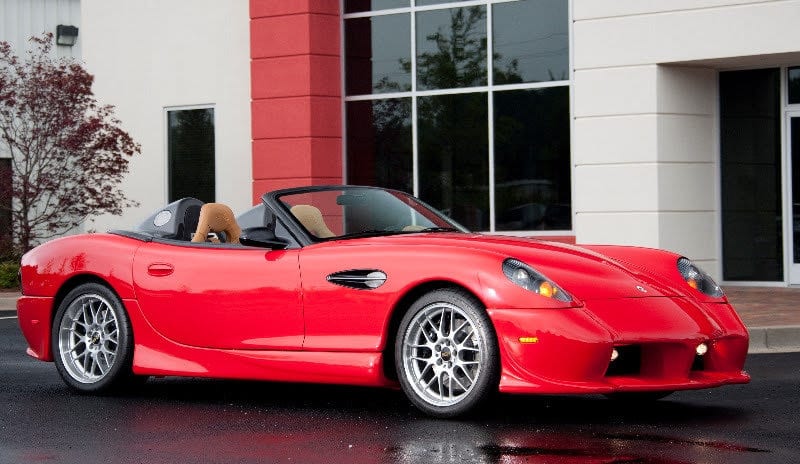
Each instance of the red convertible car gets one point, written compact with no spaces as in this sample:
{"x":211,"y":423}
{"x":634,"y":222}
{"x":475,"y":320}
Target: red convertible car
{"x":367,"y":286}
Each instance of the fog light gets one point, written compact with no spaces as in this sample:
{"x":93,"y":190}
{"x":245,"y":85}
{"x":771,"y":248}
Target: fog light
{"x":702,"y":349}
{"x":614,"y":354}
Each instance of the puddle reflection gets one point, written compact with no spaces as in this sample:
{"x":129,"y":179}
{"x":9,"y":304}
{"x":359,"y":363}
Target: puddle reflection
{"x":214,"y":421}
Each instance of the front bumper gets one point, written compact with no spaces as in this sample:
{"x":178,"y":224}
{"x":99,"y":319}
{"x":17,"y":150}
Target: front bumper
{"x":569,"y":350}
{"x":35,"y":314}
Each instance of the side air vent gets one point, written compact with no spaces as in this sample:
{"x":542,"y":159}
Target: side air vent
{"x":360,"y":279}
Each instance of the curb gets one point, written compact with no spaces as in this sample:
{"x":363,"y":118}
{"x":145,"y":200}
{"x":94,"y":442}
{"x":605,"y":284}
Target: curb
{"x":776,"y":339}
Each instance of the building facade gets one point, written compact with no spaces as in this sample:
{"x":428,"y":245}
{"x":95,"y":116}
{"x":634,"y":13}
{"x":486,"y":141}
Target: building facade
{"x":660,"y":123}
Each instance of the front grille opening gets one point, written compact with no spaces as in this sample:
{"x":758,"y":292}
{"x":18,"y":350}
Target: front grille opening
{"x":699,"y":363}
{"x":629,"y":361}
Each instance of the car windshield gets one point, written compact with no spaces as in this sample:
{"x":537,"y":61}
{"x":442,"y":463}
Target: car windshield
{"x":348,"y":212}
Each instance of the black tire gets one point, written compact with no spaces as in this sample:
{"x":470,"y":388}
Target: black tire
{"x":638,"y":397}
{"x":92,"y":340}
{"x":458,"y":360}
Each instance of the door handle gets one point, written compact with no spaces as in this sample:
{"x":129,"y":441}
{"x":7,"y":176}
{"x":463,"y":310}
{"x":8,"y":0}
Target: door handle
{"x":160,"y":269}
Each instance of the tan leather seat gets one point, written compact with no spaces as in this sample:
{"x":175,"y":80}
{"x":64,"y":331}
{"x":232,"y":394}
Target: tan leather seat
{"x":311,"y":218}
{"x":216,"y":217}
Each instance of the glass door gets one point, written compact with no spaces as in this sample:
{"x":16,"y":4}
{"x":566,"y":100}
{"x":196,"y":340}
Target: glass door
{"x":793,"y":146}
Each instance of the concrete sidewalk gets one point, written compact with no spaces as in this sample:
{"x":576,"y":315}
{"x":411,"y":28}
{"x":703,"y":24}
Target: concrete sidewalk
{"x":771,"y":314}
{"x":8,"y":301}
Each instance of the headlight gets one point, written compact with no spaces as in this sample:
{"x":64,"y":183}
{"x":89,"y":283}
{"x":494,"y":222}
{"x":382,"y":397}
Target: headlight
{"x":529,"y":279}
{"x":698,"y":279}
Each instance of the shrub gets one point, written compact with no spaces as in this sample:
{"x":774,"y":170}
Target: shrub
{"x":8,"y":274}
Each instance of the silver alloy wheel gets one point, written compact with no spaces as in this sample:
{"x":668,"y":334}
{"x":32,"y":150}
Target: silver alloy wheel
{"x":88,"y":339}
{"x":443,"y":354}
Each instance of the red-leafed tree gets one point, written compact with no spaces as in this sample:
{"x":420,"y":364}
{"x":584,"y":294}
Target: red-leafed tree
{"x":68,"y":152}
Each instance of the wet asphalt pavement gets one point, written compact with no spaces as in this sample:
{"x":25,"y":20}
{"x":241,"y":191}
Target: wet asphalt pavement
{"x":207,"y":421}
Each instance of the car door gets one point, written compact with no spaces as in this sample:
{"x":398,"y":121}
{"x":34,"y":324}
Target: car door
{"x":221,"y":296}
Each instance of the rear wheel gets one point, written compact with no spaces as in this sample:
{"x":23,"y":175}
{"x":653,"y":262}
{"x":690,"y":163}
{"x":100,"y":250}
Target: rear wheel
{"x":446,"y":354}
{"x":92,"y":340}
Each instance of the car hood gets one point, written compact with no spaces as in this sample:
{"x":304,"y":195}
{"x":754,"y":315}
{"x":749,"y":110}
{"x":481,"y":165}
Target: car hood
{"x":585,"y":274}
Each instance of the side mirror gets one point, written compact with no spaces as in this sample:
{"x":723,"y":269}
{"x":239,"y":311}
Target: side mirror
{"x":262,"y":237}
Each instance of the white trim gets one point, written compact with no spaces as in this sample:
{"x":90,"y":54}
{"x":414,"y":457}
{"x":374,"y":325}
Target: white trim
{"x":370,"y":14}
{"x":490,"y":113}
{"x":785,"y":176}
{"x":414,"y":107}
{"x":342,"y":90}
{"x":414,"y":8}
{"x":571,"y":89}
{"x":792,"y":274}
{"x":459,"y":90}
{"x":198,"y":106}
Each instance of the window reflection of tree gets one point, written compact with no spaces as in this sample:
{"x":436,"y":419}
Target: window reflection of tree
{"x":459,"y":56}
{"x":392,"y":126}
{"x":453,"y":128}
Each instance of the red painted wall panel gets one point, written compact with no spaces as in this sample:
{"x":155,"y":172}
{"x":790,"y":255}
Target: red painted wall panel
{"x":307,"y":116}
{"x":294,"y":35}
{"x":289,"y":76}
{"x":326,"y":75}
{"x":262,"y":8}
{"x":296,"y":93}
{"x":324,"y":32}
{"x":285,"y":76}
{"x":298,"y":157}
{"x":279,"y":36}
{"x":289,"y":157}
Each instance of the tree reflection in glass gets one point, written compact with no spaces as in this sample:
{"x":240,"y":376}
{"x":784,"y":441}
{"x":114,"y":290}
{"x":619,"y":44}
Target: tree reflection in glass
{"x":531,"y":133}
{"x":454,"y":156}
{"x":379,"y":143}
{"x":451,"y":48}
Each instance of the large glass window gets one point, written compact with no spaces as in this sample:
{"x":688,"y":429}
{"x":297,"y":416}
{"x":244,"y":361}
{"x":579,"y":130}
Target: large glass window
{"x":750,"y":155}
{"x":379,"y":143}
{"x":190,"y":141}
{"x":378,"y":54}
{"x":532,"y":177}
{"x":451,"y":48}
{"x":531,"y":41}
{"x":453,"y":161}
{"x":463,"y":104}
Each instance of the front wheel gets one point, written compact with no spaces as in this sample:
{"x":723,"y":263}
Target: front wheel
{"x":92,"y":339}
{"x":447,"y":355}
